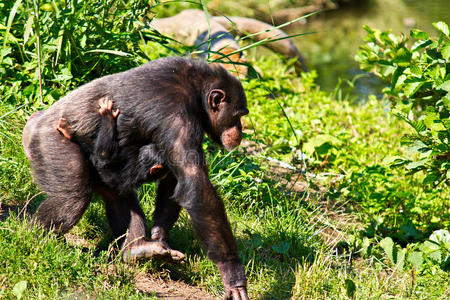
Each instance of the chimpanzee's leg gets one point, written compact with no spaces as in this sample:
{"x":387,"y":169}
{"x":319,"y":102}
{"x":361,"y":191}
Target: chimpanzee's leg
{"x":166,"y":211}
{"x":61,"y":171}
{"x":127,"y":221}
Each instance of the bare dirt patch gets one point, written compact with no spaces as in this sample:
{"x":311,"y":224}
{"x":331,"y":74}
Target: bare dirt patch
{"x":169,"y":289}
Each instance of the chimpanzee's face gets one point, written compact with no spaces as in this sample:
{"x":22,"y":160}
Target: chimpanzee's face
{"x":226,"y":110}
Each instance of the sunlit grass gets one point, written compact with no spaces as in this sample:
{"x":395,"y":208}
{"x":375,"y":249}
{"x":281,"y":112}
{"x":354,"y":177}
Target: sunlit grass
{"x":294,"y":243}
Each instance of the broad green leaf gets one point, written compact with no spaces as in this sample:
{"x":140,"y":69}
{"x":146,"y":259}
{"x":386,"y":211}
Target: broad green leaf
{"x":398,"y":71}
{"x":403,"y":57}
{"x":435,"y":73}
{"x":445,"y":86}
{"x":435,"y":220}
{"x":442,"y":27}
{"x":324,"y":149}
{"x":365,"y":245}
{"x":433,"y":122}
{"x":433,"y":53}
{"x":19,"y":288}
{"x":418,"y":34}
{"x":389,"y":160}
{"x":431,"y":249}
{"x":403,"y":108}
{"x":369,"y":30}
{"x":446,"y":51}
{"x":446,"y":101}
{"x":388,"y":246}
{"x":430,"y":179}
{"x":420,"y":45}
{"x":400,"y":259}
{"x":409,"y":231}
{"x":415,"y":70}
{"x":387,"y":70}
{"x":416,"y":164}
{"x":413,"y":87}
{"x":441,"y":236}
{"x":425,"y":153}
{"x":446,"y":123}
{"x":350,"y":288}
{"x":83,"y":41}
{"x":417,"y":146}
{"x":415,"y":259}
{"x":419,"y":126}
{"x":393,"y":38}
{"x":318,"y":141}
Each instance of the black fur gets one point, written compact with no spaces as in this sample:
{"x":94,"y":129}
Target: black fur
{"x":122,"y":168}
{"x":165,"y":103}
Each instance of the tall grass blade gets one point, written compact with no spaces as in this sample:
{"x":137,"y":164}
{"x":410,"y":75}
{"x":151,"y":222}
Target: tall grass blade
{"x":267,"y":41}
{"x":205,"y":10}
{"x":11,"y":17}
{"x":279,"y":26}
{"x":38,"y":43}
{"x":28,"y":29}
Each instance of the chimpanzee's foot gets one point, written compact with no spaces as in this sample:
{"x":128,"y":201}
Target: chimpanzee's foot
{"x":151,"y":249}
{"x":106,"y":106}
{"x":64,"y":128}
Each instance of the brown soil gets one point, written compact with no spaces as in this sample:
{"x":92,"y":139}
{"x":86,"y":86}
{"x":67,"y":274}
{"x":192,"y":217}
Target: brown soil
{"x":169,"y":289}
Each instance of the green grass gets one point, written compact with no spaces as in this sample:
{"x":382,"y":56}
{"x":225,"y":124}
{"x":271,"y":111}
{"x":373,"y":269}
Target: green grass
{"x":48,"y":267}
{"x":329,"y":239}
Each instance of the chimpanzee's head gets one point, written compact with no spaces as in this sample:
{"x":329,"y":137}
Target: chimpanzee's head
{"x":226,"y":105}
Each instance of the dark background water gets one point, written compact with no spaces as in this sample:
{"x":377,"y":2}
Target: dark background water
{"x":331,"y":50}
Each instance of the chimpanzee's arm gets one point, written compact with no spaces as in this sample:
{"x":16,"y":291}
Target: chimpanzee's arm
{"x":122,"y":168}
{"x":106,"y":148}
{"x":196,"y":194}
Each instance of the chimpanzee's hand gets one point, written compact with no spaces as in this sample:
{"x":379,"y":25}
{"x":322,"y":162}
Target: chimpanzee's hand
{"x":234,"y":280}
{"x":151,"y":249}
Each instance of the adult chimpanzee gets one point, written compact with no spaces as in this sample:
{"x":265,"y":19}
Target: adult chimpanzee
{"x":171,"y":103}
{"x":116,"y":167}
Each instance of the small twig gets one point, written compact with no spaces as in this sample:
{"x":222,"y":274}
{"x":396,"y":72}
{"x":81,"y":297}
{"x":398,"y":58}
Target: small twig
{"x":116,"y":242}
{"x":281,"y":163}
{"x":11,"y":111}
{"x":28,"y":202}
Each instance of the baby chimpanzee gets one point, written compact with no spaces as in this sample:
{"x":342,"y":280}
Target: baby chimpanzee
{"x":109,"y":160}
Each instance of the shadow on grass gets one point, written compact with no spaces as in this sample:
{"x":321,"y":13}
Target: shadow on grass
{"x":21,"y":211}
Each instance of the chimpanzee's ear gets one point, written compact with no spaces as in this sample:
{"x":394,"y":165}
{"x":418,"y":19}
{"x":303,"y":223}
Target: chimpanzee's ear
{"x":216,"y":97}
